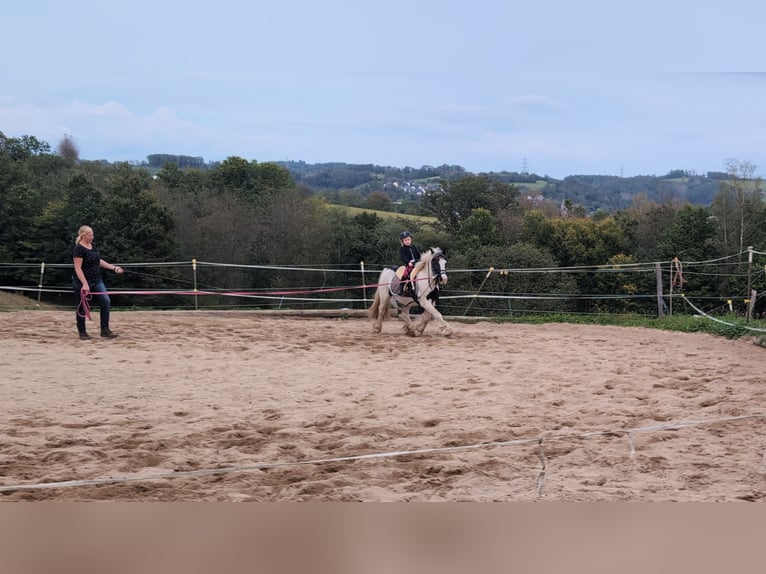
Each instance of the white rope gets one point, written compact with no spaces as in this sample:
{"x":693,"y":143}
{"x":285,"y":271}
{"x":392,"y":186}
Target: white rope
{"x":727,"y":323}
{"x":611,"y":267}
{"x":378,"y":455}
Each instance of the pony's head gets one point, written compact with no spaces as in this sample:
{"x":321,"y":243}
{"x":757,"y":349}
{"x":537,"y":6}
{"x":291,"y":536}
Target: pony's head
{"x":438,"y":261}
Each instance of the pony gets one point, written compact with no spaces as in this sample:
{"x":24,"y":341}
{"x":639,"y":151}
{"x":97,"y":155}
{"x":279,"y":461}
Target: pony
{"x":428,"y":276}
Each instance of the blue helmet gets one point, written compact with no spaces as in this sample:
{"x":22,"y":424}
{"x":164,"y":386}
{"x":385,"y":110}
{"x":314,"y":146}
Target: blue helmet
{"x":404,"y":234}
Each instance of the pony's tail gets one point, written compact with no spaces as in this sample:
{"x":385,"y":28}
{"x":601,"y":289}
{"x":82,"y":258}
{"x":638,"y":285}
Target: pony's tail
{"x":375,"y":308}
{"x":372,"y":312}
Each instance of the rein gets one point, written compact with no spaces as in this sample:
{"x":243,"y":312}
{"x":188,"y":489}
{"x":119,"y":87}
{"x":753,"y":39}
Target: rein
{"x":84,"y":304}
{"x":436,"y":272}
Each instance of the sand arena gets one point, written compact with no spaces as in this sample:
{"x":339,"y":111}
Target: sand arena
{"x":278,"y":402}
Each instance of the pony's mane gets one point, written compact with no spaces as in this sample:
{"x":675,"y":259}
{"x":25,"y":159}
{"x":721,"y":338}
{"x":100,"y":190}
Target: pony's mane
{"x":429,"y":254}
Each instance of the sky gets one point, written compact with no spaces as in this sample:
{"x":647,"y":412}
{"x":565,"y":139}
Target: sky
{"x":555,"y":88}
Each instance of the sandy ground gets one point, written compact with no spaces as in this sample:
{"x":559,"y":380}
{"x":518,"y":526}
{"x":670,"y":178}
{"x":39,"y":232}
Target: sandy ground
{"x":271,"y":401}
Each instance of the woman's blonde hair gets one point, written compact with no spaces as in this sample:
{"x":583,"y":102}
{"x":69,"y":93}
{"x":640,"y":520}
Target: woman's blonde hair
{"x":81,"y":233}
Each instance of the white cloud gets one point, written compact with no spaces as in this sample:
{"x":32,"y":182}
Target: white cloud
{"x":104,"y":131}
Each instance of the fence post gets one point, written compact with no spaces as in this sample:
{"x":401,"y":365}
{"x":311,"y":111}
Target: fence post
{"x":364,"y":284}
{"x":749,"y":282}
{"x":40,"y":284}
{"x":751,"y":303}
{"x":658,"y":272}
{"x":194,"y":269}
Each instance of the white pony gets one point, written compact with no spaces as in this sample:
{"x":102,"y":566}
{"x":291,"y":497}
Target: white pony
{"x":427,"y":278}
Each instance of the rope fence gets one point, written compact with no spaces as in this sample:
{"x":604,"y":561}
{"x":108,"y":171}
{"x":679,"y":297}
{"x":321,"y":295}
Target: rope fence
{"x":503,"y":290}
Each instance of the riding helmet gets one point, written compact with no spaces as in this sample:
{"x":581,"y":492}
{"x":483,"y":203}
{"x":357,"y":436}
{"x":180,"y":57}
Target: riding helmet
{"x":404,"y":234}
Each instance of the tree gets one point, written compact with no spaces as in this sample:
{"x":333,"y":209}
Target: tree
{"x":453,"y":201}
{"x":584,"y":243}
{"x":363,"y":237}
{"x":478,"y":229}
{"x":139,"y":228}
{"x":234,"y":173}
{"x":67,"y":149}
{"x":619,"y":277}
{"x":55,"y":227}
{"x":272,"y":177}
{"x":642,"y":224}
{"x":537,"y":229}
{"x":379,"y":200}
{"x":689,"y":235}
{"x":19,"y":149}
{"x":738,"y":206}
{"x":30,"y":180}
{"x":533,"y":289}
{"x":170,"y":175}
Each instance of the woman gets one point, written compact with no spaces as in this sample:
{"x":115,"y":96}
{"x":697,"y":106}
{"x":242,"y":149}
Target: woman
{"x":87,"y":282}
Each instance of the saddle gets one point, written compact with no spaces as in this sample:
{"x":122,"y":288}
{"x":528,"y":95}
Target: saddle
{"x":401,"y":286}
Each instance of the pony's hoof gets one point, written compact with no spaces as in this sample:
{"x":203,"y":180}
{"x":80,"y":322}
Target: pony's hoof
{"x":376,"y":328}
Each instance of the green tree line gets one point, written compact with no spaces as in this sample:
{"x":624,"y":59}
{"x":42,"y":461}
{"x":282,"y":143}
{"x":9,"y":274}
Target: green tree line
{"x":398,"y":189}
{"x":245,"y":212}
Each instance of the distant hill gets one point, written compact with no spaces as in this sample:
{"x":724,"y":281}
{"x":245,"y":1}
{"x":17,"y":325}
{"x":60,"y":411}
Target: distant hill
{"x":611,"y":193}
{"x":352,"y":184}
{"x":594,"y":192}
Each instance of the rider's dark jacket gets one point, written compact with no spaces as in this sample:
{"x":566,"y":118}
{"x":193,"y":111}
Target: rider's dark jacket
{"x":408,"y":253}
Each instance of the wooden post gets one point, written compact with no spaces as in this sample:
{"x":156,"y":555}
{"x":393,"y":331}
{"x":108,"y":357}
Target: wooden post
{"x":40,"y":284}
{"x":751,"y":303}
{"x":194,"y":271}
{"x":658,"y":271}
{"x":749,"y":282}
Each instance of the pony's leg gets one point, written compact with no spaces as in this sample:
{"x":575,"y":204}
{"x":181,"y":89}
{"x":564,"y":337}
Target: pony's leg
{"x":424,"y":319}
{"x":429,"y":308}
{"x":409,"y":326}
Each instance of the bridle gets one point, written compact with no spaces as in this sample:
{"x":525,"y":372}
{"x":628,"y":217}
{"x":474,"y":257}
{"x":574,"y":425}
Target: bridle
{"x":437,"y":270}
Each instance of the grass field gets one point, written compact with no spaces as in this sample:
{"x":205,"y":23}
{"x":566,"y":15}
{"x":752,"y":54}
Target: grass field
{"x":386,"y":214}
